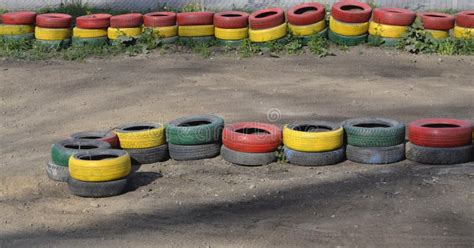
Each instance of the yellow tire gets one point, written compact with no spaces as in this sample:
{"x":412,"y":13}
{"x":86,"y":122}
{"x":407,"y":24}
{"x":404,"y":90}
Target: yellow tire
{"x":166,"y":32}
{"x":306,"y":30}
{"x":313,"y":141}
{"x":463,"y":33}
{"x":196,"y":30}
{"x":142,"y":135}
{"x":265,"y":35}
{"x":100,"y":165}
{"x":52,"y":33}
{"x":115,"y":33}
{"x":88,"y":33}
{"x":348,"y":29}
{"x":15,"y":29}
{"x":438,"y":34}
{"x":386,"y":31}
{"x":231,"y":34}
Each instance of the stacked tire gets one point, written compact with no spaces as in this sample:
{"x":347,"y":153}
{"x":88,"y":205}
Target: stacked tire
{"x":437,"y":24}
{"x":464,"y":28}
{"x":53,"y":30}
{"x":18,"y":26}
{"x":439,"y":141}
{"x":126,"y":25}
{"x":195,"y":27}
{"x":231,"y":27}
{"x":194,"y":137}
{"x":267,"y":25}
{"x":388,"y":25}
{"x":314,"y":143}
{"x":250,"y":143}
{"x":91,"y":30}
{"x":306,"y":20}
{"x":106,"y":136}
{"x":374,"y":140}
{"x":163,"y":25}
{"x":144,"y":142}
{"x":349,"y":23}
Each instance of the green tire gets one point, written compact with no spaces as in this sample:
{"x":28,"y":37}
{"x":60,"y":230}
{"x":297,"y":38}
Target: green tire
{"x":99,"y":41}
{"x":382,"y":42}
{"x":195,"y":130}
{"x":347,"y":40}
{"x":28,"y":36}
{"x":198,"y":39}
{"x":61,"y":151}
{"x":54,"y":44}
{"x":169,"y":40}
{"x":374,"y":132}
{"x":282,"y":41}
{"x":231,"y":43}
{"x":306,"y":39}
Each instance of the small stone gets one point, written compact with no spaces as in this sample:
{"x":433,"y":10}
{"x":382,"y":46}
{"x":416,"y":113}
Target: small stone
{"x":333,"y":216}
{"x":253,"y":186}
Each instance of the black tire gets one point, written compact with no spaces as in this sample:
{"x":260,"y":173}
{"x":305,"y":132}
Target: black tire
{"x":374,"y":132}
{"x":195,"y":130}
{"x":376,"y":155}
{"x":61,"y":151}
{"x":57,"y":172}
{"x":314,"y":158}
{"x":194,"y":152}
{"x":97,"y":189}
{"x":434,"y":156}
{"x":247,"y":159}
{"x":149,"y":155}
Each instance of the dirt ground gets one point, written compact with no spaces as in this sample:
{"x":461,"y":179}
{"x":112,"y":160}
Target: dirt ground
{"x":211,"y":203}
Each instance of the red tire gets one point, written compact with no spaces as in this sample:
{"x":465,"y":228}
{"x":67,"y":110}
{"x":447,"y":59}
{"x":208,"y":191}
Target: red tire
{"x":131,"y":20}
{"x":465,"y":19}
{"x":266,"y":18}
{"x":195,"y":18}
{"x":351,"y":11}
{"x":159,"y":19}
{"x":440,"y":132}
{"x":306,"y":13}
{"x":437,"y":21}
{"x":252,"y":137}
{"x":54,"y":20}
{"x":95,"y":21}
{"x":19,"y":18}
{"x":394,"y":16}
{"x":231,"y":19}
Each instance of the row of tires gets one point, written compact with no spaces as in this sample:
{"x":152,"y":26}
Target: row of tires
{"x":98,"y":164}
{"x":351,"y":23}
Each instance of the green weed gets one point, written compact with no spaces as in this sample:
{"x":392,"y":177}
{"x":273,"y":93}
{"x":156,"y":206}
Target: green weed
{"x":319,"y":46}
{"x":248,"y":49}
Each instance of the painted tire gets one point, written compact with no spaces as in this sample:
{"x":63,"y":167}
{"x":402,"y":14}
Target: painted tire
{"x":341,"y":11}
{"x":57,"y":172}
{"x":61,"y":151}
{"x":52,"y":33}
{"x":141,"y":135}
{"x":393,"y":16}
{"x":149,"y":155}
{"x":100,"y":41}
{"x":19,"y":18}
{"x":252,"y":137}
{"x":317,"y":136}
{"x":440,"y":132}
{"x":29,"y":37}
{"x":299,"y":30}
{"x":376,"y":155}
{"x":193,"y":40}
{"x":53,"y":44}
{"x":194,"y":152}
{"x":100,"y":165}
{"x":88,"y":33}
{"x":374,"y":132}
{"x":15,"y":29}
{"x":159,"y":19}
{"x":437,"y":21}
{"x":464,"y":19}
{"x":266,"y":18}
{"x":195,"y":130}
{"x":438,"y":34}
{"x":169,"y":40}
{"x":131,"y":20}
{"x":348,"y":29}
{"x":439,"y":156}
{"x":463,"y":33}
{"x":165,"y":32}
{"x":95,"y":21}
{"x":54,"y":20}
{"x":105,"y":136}
{"x":265,"y":35}
{"x":314,"y":158}
{"x":97,"y":189}
{"x":231,"y":43}
{"x":196,"y":31}
{"x":231,"y":34}
{"x":247,"y":159}
{"x":231,"y":20}
{"x":306,"y":14}
{"x":195,"y":18}
{"x":387,"y":31}
{"x":346,"y":40}
{"x":306,"y":39}
{"x":382,"y":42}
{"x":115,"y":33}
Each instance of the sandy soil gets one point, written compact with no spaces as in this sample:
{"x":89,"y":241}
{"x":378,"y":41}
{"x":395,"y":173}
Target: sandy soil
{"x":212,"y":203}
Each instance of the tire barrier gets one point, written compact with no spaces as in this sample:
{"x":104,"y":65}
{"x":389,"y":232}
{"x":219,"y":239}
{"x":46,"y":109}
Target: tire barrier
{"x":126,"y":25}
{"x":464,"y":28}
{"x":437,"y":24}
{"x":105,"y":136}
{"x":53,"y":30}
{"x":195,"y":27}
{"x":349,"y":23}
{"x":306,"y":19}
{"x":163,"y":25}
{"x":267,"y":25}
{"x":388,"y":25}
{"x":231,"y":26}
{"x":91,"y":30}
{"x":18,"y":25}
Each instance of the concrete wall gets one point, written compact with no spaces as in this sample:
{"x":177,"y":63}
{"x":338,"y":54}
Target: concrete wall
{"x":143,"y":5}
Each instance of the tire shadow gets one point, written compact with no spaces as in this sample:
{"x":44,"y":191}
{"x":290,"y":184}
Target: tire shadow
{"x":140,"y":179}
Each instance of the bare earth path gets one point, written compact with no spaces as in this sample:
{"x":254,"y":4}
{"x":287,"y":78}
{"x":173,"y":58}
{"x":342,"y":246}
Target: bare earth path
{"x":212,"y":203}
